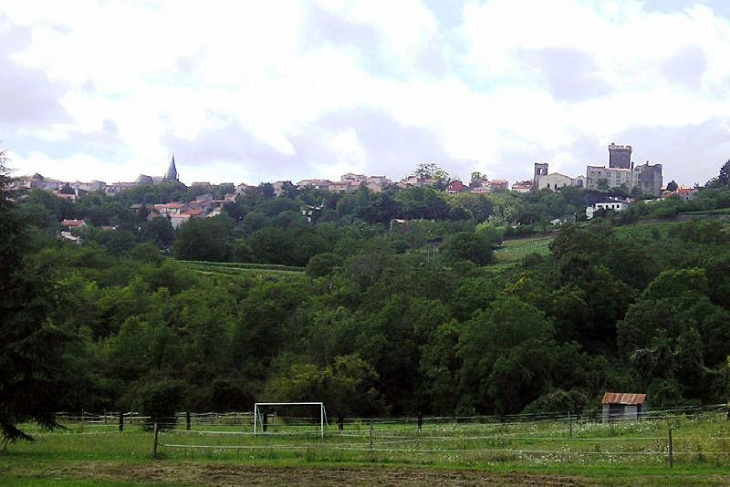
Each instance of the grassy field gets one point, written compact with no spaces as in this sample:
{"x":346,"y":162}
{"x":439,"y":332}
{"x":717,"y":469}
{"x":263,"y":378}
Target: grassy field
{"x":224,"y":269}
{"x":474,"y":451}
{"x":515,"y":250}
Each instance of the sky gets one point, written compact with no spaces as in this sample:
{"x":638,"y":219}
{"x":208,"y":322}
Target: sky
{"x":247,"y":91}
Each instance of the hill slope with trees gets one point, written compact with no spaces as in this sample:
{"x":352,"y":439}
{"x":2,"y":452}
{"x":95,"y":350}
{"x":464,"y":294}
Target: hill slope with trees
{"x":388,"y":318}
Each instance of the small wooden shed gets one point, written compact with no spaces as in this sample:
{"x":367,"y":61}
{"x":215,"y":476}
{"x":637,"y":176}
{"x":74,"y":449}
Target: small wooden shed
{"x":623,"y":406}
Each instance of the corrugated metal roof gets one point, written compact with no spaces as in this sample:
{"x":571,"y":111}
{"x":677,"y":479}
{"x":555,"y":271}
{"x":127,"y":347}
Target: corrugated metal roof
{"x":623,"y":398}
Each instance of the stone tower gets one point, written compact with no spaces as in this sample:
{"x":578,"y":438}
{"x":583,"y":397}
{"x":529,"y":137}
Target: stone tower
{"x":171,"y":174}
{"x":541,"y":169}
{"x":619,"y":156}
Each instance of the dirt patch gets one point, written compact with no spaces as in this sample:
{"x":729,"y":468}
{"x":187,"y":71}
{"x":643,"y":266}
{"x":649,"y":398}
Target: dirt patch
{"x":234,"y":475}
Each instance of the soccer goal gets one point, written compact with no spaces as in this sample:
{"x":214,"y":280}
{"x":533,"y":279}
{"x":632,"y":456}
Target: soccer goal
{"x":262,"y":409}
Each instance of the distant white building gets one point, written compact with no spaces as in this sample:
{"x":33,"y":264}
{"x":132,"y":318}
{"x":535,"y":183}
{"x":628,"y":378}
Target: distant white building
{"x":614,"y":204}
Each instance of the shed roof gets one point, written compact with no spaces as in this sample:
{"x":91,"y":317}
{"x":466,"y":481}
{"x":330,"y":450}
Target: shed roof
{"x":623,"y":398}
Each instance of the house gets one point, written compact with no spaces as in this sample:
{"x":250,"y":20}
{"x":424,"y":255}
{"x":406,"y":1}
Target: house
{"x":602,"y":177}
{"x":72,"y":223}
{"x":683,"y":193}
{"x":70,"y":237}
{"x":498,"y":184}
{"x":522,"y":186}
{"x":623,"y":406}
{"x":377,"y":183}
{"x":614,"y":204}
{"x":352,"y":178}
{"x":343,"y":187}
{"x":323,"y":184}
{"x":554,"y":181}
{"x":456,"y":186}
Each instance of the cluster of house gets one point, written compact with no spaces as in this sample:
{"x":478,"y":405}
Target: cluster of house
{"x":349,"y":182}
{"x":621,"y":172}
{"x":178,"y":213}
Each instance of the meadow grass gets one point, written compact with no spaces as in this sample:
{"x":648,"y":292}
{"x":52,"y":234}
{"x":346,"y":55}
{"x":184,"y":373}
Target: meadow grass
{"x":228,"y":269}
{"x":599,"y":451}
{"x":515,"y":250}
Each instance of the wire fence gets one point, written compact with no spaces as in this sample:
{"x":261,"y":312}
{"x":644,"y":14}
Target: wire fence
{"x":685,"y":435}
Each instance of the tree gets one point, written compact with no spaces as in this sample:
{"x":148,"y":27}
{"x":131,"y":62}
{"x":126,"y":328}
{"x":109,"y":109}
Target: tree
{"x":202,"y":239}
{"x":31,"y":349}
{"x":672,"y":185}
{"x":724,"y":177}
{"x":469,"y":246}
{"x":431,"y":170}
{"x":159,"y":231}
{"x":476,"y":179}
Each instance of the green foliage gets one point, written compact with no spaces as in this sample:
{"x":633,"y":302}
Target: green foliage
{"x":160,"y":401}
{"x":202,"y":239}
{"x":469,"y":246}
{"x":33,"y":380}
{"x":158,"y":231}
{"x":347,"y":387}
{"x":399,"y":309}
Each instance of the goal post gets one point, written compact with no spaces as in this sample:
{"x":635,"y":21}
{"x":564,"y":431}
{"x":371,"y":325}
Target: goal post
{"x":258,"y":415}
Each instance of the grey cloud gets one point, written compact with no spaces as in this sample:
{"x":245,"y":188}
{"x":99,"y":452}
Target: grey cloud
{"x":232,"y":143}
{"x":391,"y":148}
{"x":368,"y":44}
{"x":570,"y":75}
{"x":324,"y":27}
{"x":29,"y":99}
{"x":104,"y":144}
{"x":686,"y":67}
{"x":690,"y":154}
{"x":109,"y":127}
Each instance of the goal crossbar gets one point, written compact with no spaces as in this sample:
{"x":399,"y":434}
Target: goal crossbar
{"x":257,"y":416}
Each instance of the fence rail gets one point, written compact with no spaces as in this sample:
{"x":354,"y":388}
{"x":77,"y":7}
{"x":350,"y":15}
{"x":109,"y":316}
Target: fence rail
{"x":662,"y":437}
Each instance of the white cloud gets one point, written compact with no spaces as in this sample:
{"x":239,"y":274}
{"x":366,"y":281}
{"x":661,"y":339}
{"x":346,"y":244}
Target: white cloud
{"x":179,"y":69}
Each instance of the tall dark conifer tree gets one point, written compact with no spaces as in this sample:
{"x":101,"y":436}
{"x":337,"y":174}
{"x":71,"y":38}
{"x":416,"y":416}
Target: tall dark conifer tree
{"x":31,"y":349}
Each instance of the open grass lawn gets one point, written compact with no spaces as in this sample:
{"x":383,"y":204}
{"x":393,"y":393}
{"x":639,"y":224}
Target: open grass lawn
{"x":395,"y":453}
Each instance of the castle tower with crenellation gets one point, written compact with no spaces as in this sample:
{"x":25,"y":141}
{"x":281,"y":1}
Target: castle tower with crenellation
{"x":619,"y":156}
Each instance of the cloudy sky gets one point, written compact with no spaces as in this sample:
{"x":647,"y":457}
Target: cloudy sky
{"x":252,"y":91}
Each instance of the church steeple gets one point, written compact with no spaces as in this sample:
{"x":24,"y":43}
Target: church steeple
{"x":171,"y":174}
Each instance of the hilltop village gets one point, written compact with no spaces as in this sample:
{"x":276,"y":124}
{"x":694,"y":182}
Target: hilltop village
{"x":621,"y":173}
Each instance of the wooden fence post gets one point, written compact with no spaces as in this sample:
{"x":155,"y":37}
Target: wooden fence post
{"x":420,"y":422}
{"x":154,"y":443}
{"x":570,"y":420}
{"x":121,"y":420}
{"x":671,"y":447}
{"x":371,"y":434}
{"x":187,"y":420}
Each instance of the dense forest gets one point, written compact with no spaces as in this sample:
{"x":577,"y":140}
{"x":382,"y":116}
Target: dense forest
{"x":381,"y":318}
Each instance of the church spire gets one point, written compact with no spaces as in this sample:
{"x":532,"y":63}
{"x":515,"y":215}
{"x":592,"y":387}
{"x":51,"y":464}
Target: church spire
{"x":171,"y":174}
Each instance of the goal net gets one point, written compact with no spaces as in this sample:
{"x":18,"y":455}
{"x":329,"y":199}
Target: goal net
{"x":311,"y":416}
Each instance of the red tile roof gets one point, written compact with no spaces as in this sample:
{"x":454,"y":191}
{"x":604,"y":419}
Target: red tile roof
{"x":623,"y":398}
{"x":72,"y":223}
